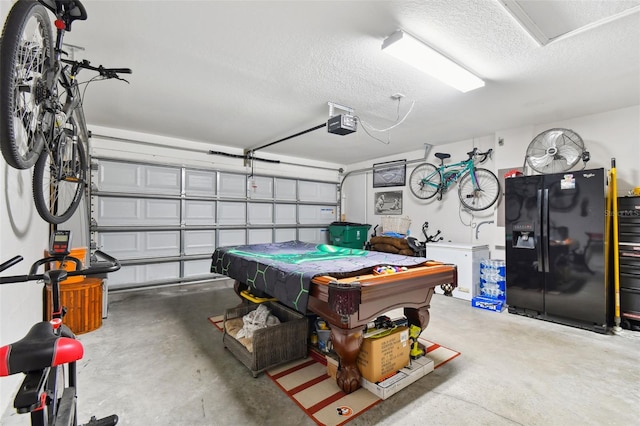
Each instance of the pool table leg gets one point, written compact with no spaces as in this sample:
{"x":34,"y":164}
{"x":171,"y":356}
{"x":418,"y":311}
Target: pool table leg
{"x":346,"y":343}
{"x":418,"y":316}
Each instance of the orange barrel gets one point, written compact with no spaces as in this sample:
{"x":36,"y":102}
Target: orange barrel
{"x":83,"y":301}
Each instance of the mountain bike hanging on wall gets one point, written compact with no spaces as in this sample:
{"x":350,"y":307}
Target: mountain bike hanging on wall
{"x":478,"y":188}
{"x":42,"y":122}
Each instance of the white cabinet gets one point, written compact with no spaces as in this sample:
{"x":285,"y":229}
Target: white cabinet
{"x":467,"y":257}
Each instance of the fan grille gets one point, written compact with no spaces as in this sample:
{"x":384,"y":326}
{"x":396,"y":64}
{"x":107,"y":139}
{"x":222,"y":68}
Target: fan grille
{"x":555,"y":150}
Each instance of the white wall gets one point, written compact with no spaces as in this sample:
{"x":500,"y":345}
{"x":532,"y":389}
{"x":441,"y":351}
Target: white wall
{"x":22,"y":232}
{"x":127,"y":145}
{"x":606,"y":135}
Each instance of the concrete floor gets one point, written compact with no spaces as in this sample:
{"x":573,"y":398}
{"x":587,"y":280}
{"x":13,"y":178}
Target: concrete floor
{"x":157,"y":361}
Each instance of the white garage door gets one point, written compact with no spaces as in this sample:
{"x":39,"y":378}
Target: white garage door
{"x":163,"y":222}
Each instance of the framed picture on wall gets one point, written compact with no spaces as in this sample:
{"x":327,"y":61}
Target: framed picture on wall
{"x":388,"y":202}
{"x":391,"y":173}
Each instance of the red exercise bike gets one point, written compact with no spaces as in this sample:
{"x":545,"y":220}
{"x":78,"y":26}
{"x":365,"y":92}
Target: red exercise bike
{"x":47,"y":355}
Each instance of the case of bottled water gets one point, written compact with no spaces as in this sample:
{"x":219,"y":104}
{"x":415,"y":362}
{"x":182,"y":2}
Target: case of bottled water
{"x":492,"y":291}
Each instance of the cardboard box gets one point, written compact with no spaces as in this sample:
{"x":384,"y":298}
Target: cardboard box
{"x":418,"y":368}
{"x":332,"y":365}
{"x":380,"y":357}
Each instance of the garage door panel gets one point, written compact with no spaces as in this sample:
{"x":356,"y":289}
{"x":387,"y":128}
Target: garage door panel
{"x":260,"y":236}
{"x":161,"y":271}
{"x":125,"y":276}
{"x":314,"y":235}
{"x":140,"y":244}
{"x":260,"y":213}
{"x":198,"y":212}
{"x":161,"y":180}
{"x":285,"y":189}
{"x":232,"y":185}
{"x":285,"y":214}
{"x":232,"y":213}
{"x":141,"y":178}
{"x":118,"y":177}
{"x":194,"y":268}
{"x":261,"y":187}
{"x":232,"y":237}
{"x":199,"y":242}
{"x":161,"y":212}
{"x":200,"y":183}
{"x":139,"y":274}
{"x":285,"y":234}
{"x":317,"y":191}
{"x":310,"y":214}
{"x":119,"y":211}
{"x":121,"y":245}
{"x":161,"y":243}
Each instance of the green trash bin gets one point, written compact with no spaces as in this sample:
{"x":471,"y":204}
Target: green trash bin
{"x":348,"y":234}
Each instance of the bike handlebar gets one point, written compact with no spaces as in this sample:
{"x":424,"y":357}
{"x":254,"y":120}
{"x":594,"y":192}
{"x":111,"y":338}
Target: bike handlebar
{"x":9,"y":263}
{"x":105,"y":72}
{"x":112,"y":265}
{"x":484,"y":155}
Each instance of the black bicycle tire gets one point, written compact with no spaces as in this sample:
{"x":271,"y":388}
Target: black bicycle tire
{"x":15,"y":24}
{"x":467,"y":178}
{"x":413,"y":178}
{"x":41,"y":199}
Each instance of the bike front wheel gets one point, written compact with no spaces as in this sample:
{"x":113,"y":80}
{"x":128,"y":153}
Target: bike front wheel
{"x":425,"y":181}
{"x":27,"y":55}
{"x":479,"y":189}
{"x":59,"y":179}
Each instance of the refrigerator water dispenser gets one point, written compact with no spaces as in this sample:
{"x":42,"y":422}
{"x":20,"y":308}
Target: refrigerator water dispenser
{"x":523,"y":236}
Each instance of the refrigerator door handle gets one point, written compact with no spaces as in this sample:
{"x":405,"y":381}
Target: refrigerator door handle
{"x":537,"y":233}
{"x":544,"y":220}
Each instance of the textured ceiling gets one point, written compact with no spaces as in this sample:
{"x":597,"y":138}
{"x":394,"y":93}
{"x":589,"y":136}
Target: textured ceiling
{"x":245,"y":73}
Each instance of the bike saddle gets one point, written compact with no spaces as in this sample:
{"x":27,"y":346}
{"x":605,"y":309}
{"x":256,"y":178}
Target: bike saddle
{"x":39,"y":349}
{"x":442,"y":155}
{"x":73,"y":9}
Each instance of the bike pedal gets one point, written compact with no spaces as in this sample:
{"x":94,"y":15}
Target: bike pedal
{"x":111,"y":420}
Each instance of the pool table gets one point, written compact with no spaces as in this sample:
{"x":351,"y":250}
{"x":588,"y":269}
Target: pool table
{"x":348,"y":304}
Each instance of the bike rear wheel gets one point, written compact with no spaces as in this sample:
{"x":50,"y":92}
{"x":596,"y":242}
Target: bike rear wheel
{"x":481,"y":194}
{"x":27,"y":55}
{"x":59,"y":178}
{"x":425,"y":181}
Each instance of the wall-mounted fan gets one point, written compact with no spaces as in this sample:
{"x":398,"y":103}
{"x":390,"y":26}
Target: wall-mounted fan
{"x":556,"y":151}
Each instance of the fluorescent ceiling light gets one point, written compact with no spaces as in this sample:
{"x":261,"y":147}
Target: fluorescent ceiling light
{"x":417,"y":54}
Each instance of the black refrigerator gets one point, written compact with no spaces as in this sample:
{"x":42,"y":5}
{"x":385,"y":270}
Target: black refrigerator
{"x":555,"y":248}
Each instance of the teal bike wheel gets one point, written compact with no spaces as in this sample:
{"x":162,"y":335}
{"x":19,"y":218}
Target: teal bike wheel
{"x":425,"y":181}
{"x":481,"y":193}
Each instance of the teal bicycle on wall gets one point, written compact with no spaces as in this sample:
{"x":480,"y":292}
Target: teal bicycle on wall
{"x":478,"y":188}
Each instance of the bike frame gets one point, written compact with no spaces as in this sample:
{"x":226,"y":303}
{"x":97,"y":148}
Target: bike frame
{"x":446,"y":180}
{"x":65,"y":76}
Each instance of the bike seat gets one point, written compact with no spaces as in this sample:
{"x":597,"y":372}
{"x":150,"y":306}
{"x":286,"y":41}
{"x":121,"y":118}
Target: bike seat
{"x":442,"y":155}
{"x":73,"y":9}
{"x":40,"y":348}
